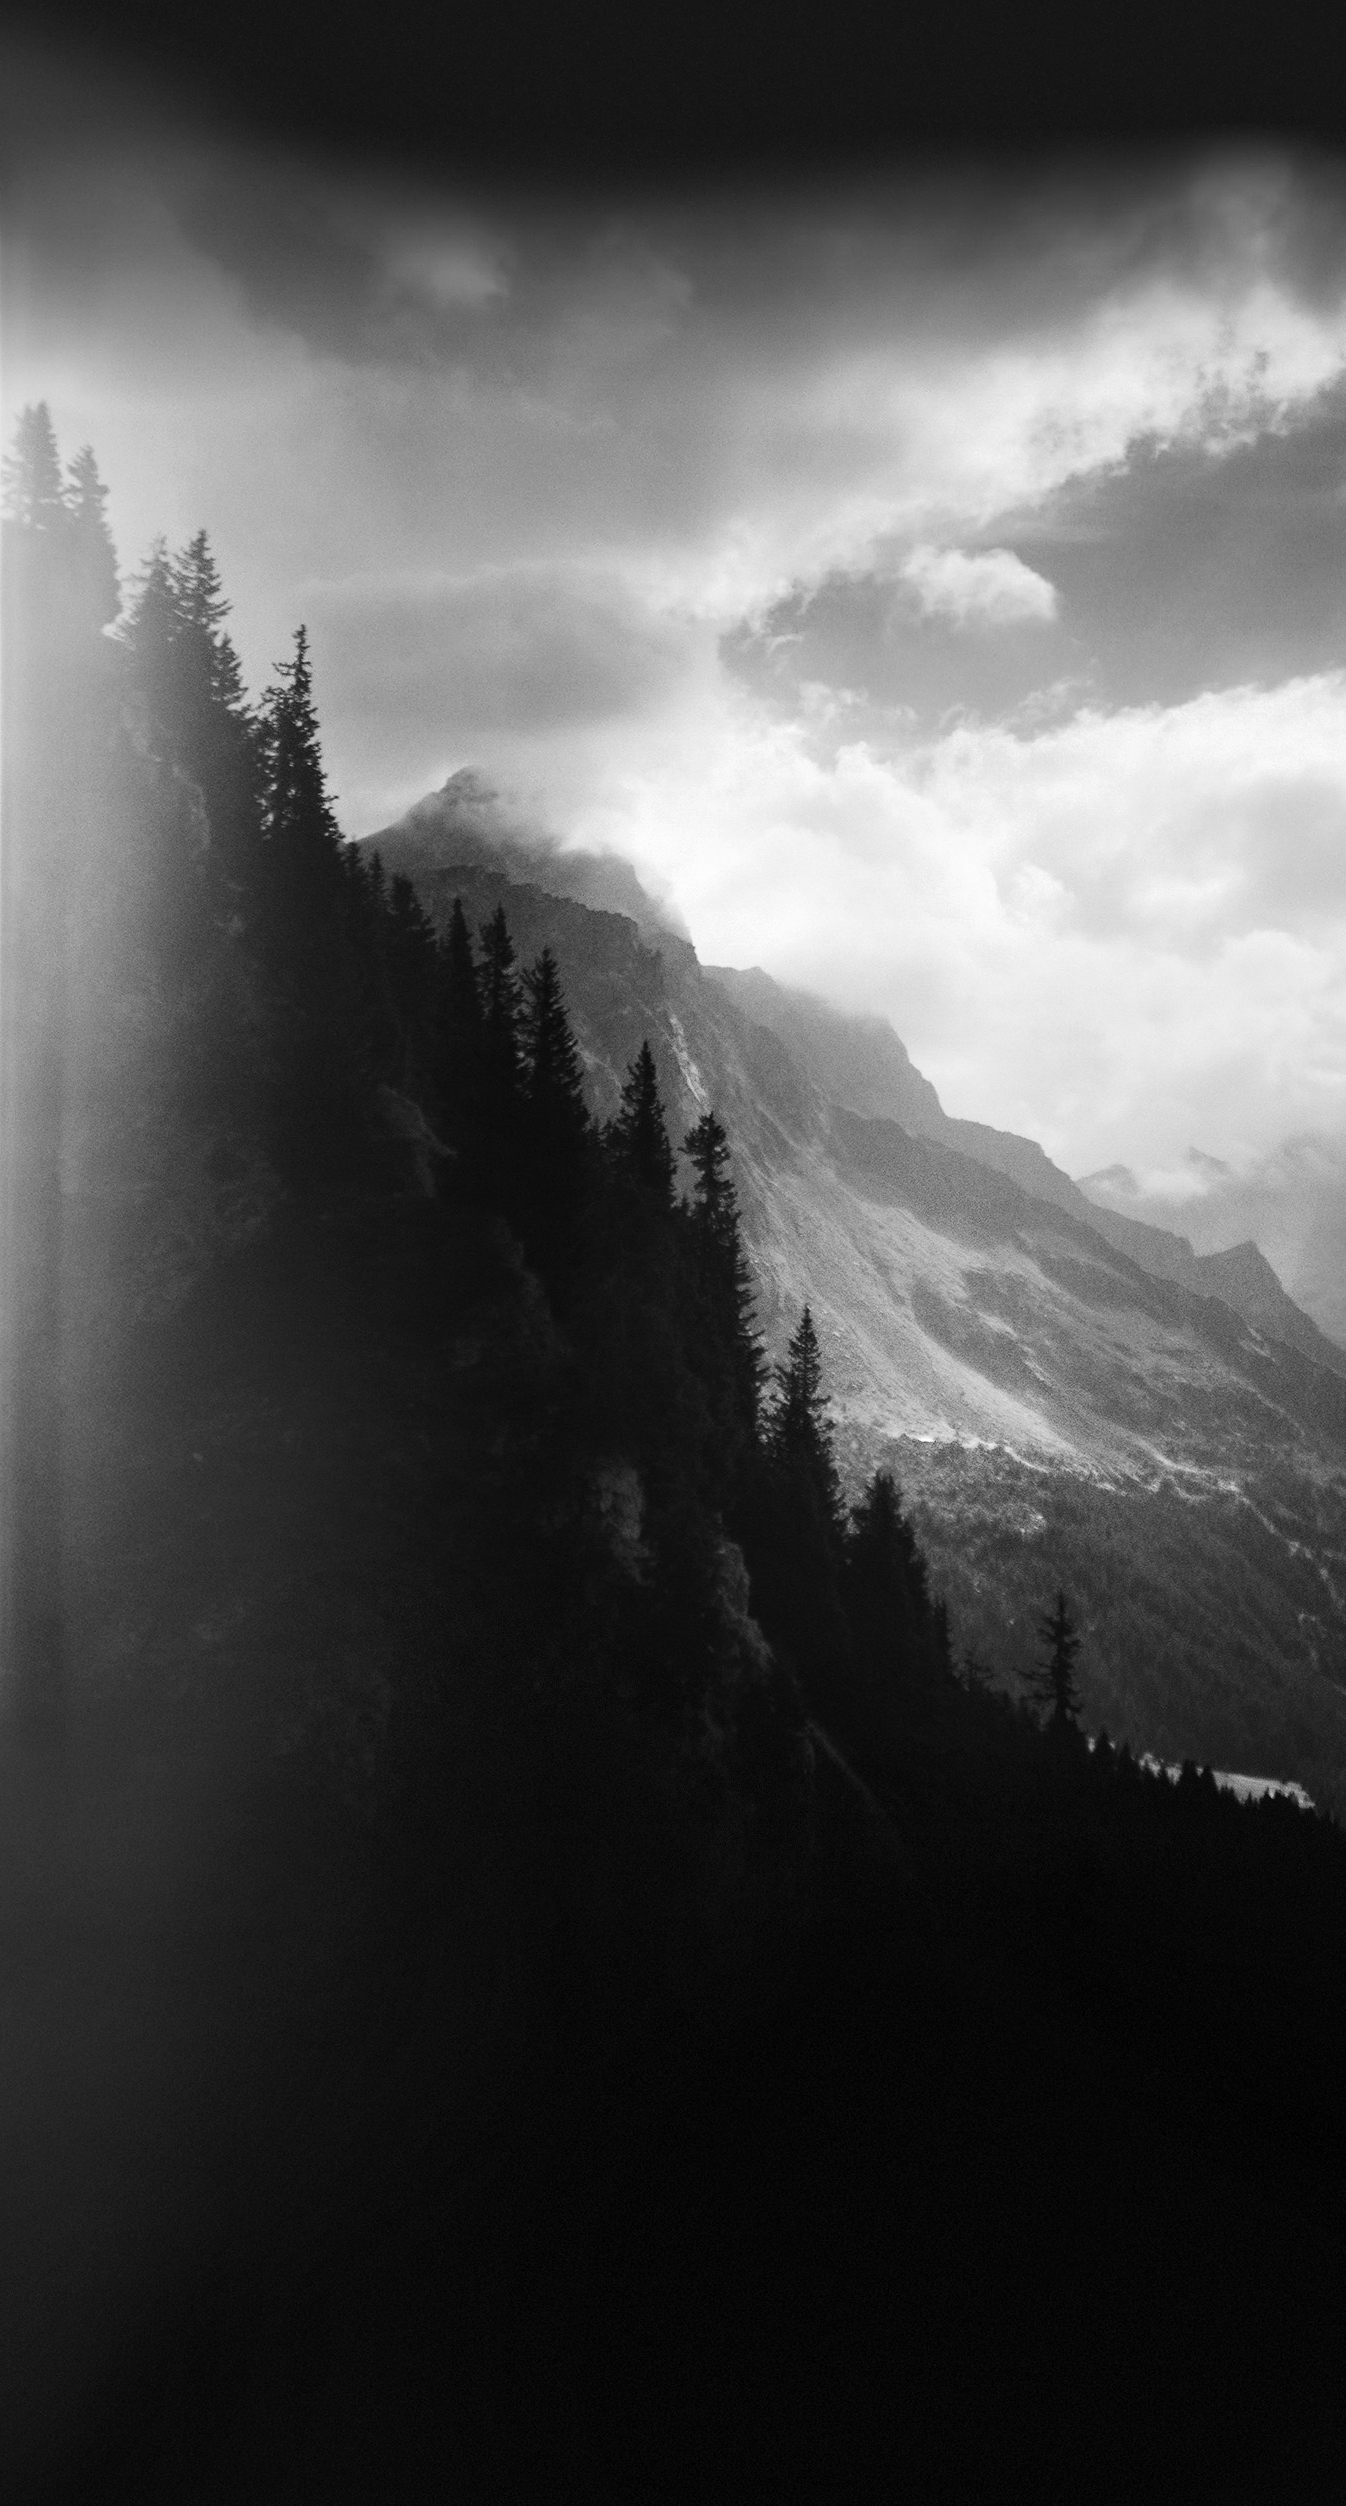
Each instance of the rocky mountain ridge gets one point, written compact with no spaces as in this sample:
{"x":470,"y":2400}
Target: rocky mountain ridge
{"x":1170,"y":1441}
{"x":862,"y":1064}
{"x":830,"y":1122}
{"x":1291,"y":1198}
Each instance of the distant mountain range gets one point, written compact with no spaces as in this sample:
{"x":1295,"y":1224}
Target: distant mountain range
{"x":1292,"y":1199}
{"x":1066,"y":1392}
{"x":861,"y":1063}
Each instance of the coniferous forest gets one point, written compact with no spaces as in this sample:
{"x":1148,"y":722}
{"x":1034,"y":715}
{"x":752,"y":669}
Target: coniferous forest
{"x":533,"y":1960}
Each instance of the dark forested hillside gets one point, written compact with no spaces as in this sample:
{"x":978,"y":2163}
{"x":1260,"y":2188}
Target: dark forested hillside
{"x":538,"y":1951}
{"x":979,"y":1332}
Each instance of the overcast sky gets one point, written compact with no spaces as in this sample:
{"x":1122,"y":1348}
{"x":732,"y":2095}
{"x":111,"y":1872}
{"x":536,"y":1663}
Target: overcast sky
{"x":937,"y":587}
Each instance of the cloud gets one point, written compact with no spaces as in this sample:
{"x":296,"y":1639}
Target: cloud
{"x":445,"y":269}
{"x":533,"y":472}
{"x":1179,"y":827}
{"x":485,"y":825}
{"x":1075,"y":930}
{"x":424,"y":674}
{"x":722,"y":397}
{"x":993,"y":587}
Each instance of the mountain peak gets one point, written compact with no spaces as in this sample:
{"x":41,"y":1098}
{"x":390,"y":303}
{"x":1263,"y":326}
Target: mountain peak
{"x":468,"y":821}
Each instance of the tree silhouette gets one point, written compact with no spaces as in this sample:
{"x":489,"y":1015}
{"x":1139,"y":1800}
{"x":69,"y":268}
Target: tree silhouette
{"x":557,"y":1134}
{"x":637,"y":1137}
{"x":95,"y":557}
{"x":799,"y":1431}
{"x":501,"y":996}
{"x":33,"y":492}
{"x":735,"y":1362}
{"x":501,"y":1008}
{"x":885,"y":1584}
{"x":1054,"y":1680}
{"x":794,"y":1525}
{"x":211,"y":679}
{"x":413,"y":973}
{"x":553,"y":1074}
{"x":460,"y":1032}
{"x":299,"y":822}
{"x":309,"y":928}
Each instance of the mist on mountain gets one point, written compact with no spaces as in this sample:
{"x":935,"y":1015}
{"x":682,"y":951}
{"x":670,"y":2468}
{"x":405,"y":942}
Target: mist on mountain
{"x":468,"y":820}
{"x":1289,"y":1200}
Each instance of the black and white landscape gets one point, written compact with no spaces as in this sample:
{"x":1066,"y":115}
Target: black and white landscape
{"x":674,"y":1612}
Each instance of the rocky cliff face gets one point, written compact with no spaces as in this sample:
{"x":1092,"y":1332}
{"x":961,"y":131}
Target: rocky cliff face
{"x":979,"y":1316}
{"x":860,"y":1063}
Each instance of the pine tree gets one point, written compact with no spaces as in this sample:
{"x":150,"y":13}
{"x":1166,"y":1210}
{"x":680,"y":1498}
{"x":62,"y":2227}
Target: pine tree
{"x":1054,"y":1680}
{"x":501,"y":1006}
{"x":313,"y":929}
{"x":413,"y":970}
{"x":735,"y":1363}
{"x":885,"y":1585}
{"x":149,"y":634}
{"x":494,"y":1169}
{"x":460,"y":1032}
{"x":553,"y":1074}
{"x":211,"y":727}
{"x":33,"y":492}
{"x":298,"y":815}
{"x":94,"y":557}
{"x":201,"y":611}
{"x":305,"y":891}
{"x":557,"y":1135}
{"x":367,"y":917}
{"x":637,"y":1137}
{"x":799,"y":1430}
{"x":793,"y":1526}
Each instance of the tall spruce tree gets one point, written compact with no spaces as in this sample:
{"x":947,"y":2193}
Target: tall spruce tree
{"x":794,"y":1525}
{"x":637,"y":1137}
{"x":734,"y":1360}
{"x":886,"y":1598}
{"x":413,"y":973}
{"x":298,"y":823}
{"x":94,"y":557}
{"x":557,"y":1133}
{"x":215,"y":732}
{"x":34,"y":495}
{"x":501,"y":1006}
{"x":313,"y":941}
{"x":799,"y":1430}
{"x":149,"y":632}
{"x":209,"y":676}
{"x":501,"y":995}
{"x":553,"y":1074}
{"x":1054,"y":1680}
{"x":460,"y":1033}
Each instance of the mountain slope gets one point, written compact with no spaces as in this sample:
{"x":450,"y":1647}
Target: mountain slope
{"x":861,"y":1063}
{"x":1009,"y":1359}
